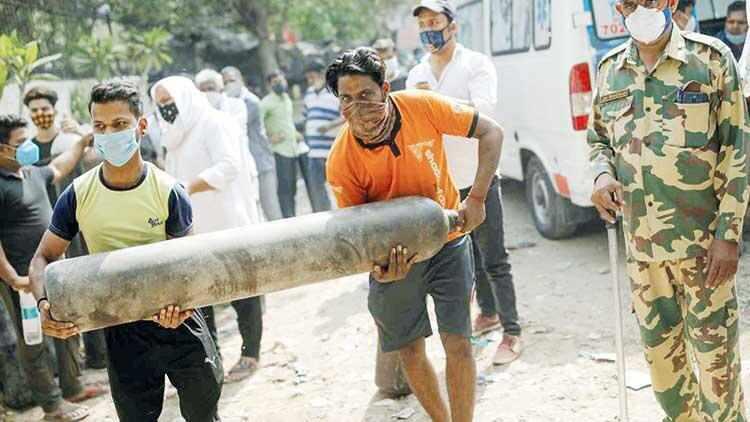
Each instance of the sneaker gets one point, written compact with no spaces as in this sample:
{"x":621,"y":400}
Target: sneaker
{"x":508,"y":350}
{"x":484,"y":324}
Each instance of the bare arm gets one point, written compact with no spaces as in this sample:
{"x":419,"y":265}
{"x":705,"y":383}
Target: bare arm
{"x":50,"y":250}
{"x":9,"y":274}
{"x":198,"y":185}
{"x":67,"y":161}
{"x":490,"y":136}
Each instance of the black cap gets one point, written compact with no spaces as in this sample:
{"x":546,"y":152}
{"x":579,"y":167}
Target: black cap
{"x":438,"y":6}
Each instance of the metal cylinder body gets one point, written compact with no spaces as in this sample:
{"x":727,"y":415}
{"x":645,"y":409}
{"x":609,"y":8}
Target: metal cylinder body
{"x":132,"y":284}
{"x":389,"y":374}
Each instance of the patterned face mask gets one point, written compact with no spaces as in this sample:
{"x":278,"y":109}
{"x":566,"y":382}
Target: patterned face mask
{"x":169,"y":112}
{"x":43,"y":119}
{"x":370,"y":121}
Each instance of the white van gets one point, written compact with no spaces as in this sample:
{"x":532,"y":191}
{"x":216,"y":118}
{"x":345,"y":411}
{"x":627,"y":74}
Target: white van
{"x":545,"y":53}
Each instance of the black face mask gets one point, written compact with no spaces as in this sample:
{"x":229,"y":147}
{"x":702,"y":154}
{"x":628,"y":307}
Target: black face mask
{"x":279,"y":88}
{"x":169,"y":112}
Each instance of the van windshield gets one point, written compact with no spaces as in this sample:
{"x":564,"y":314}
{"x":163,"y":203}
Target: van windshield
{"x":712,"y":9}
{"x":608,"y":24}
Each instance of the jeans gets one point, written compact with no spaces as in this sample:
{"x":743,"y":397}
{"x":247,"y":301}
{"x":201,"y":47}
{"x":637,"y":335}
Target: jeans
{"x":96,"y":349}
{"x":496,"y":294}
{"x":250,"y":322}
{"x":286,"y":170}
{"x":269,"y":198}
{"x":35,"y":362}
{"x":317,"y":185}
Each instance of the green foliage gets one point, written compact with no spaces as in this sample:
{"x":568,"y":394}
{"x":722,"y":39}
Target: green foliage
{"x":341,"y":20}
{"x":79,"y":101}
{"x":98,"y":56}
{"x":20,"y":61}
{"x":150,"y":51}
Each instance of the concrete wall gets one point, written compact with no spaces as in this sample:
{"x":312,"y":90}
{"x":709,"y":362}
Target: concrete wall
{"x":12,"y":97}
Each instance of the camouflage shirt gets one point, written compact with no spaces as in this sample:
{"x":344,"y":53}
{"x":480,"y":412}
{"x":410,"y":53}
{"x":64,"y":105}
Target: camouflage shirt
{"x":675,"y":139}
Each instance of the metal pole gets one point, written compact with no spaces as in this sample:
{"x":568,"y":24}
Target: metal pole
{"x":619,"y":343}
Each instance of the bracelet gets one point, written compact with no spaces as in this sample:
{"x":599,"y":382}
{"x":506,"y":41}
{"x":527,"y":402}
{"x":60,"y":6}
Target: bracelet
{"x":39,"y":302}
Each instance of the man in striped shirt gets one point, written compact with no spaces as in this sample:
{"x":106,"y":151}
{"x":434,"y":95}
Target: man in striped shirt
{"x":322,"y":122}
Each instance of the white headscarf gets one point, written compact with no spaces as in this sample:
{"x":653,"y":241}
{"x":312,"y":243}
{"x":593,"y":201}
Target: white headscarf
{"x":223,"y":167}
{"x":191,"y":104}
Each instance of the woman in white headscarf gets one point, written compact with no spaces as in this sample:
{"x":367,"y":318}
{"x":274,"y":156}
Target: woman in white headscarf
{"x":205,"y":152}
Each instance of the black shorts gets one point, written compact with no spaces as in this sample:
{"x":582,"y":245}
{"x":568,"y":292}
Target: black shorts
{"x":400,"y":308}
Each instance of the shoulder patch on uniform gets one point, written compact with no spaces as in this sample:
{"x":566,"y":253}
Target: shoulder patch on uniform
{"x":614,"y":52}
{"x":707,"y":40}
{"x":617,"y":95}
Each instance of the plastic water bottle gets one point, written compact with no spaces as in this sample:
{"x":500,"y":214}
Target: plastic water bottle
{"x":32,"y":323}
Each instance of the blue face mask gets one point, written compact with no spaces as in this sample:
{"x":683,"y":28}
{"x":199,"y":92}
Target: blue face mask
{"x":436,"y":39}
{"x":736,"y":39}
{"x":117,"y":148}
{"x":27,"y":154}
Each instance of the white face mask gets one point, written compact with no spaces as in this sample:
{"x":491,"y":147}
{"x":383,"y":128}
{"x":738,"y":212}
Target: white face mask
{"x":647,"y":25}
{"x":233,"y":89}
{"x":214,"y":98}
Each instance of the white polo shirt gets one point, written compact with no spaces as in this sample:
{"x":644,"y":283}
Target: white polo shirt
{"x":470,"y":76}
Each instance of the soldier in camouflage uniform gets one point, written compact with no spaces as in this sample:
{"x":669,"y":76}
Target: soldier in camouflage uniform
{"x":667,"y":136}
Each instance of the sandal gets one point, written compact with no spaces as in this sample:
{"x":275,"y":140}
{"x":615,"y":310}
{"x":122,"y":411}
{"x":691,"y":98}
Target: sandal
{"x":68,"y":412}
{"x":244,"y":369}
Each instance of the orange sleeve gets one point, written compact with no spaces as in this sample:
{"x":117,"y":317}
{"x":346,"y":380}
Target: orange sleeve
{"x":450,"y":117}
{"x":343,"y":181}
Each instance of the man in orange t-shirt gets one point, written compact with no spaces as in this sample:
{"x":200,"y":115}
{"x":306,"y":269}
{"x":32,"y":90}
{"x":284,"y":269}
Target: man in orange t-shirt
{"x":392,"y":147}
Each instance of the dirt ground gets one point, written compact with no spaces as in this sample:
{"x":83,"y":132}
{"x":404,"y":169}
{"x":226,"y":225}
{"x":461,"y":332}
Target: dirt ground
{"x":319,"y":346}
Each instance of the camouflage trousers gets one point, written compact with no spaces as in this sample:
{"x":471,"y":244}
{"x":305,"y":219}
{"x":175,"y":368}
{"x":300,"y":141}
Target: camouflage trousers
{"x":690,"y":334}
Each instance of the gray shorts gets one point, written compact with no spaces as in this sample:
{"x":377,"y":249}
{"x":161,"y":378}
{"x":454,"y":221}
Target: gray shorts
{"x":400,"y":308}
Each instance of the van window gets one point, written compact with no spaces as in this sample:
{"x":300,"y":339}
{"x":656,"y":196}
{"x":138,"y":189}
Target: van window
{"x":607,"y":21}
{"x":511,"y":26}
{"x":712,"y":9}
{"x":471,"y":25}
{"x":542,"y":24}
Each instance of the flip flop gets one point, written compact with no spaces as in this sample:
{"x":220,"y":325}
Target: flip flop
{"x":68,"y":413}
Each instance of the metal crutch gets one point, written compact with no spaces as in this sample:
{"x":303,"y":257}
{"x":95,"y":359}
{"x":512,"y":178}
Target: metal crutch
{"x":619,"y":343}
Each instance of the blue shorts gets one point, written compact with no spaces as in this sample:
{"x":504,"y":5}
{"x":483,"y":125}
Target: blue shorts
{"x":400,"y":308}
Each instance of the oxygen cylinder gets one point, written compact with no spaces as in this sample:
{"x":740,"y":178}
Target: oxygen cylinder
{"x":132,"y":284}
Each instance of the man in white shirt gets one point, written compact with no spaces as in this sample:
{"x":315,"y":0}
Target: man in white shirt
{"x":260,"y":147}
{"x":211,"y":83}
{"x":455,"y":71}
